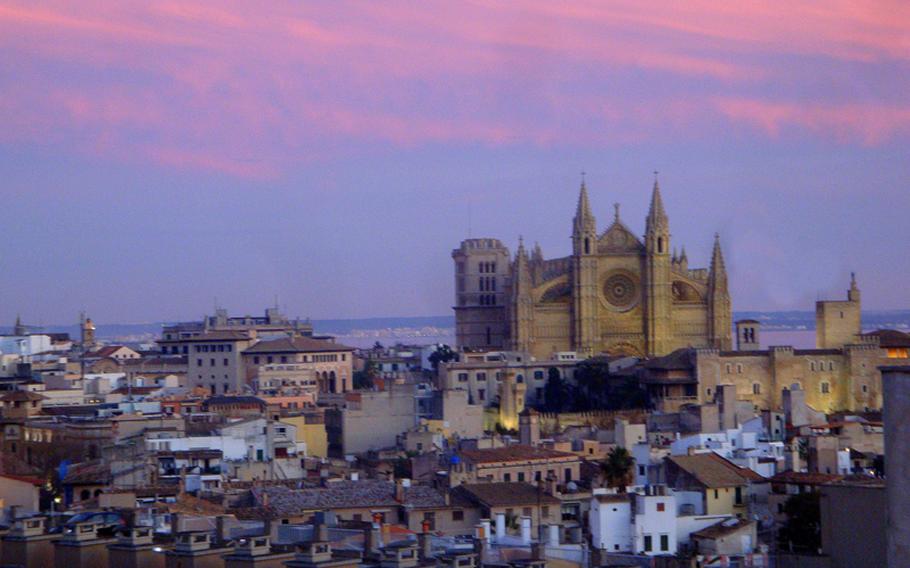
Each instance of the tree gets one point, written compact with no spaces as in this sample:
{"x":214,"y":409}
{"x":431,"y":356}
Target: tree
{"x":802,"y":532}
{"x":617,"y":467}
{"x":555,"y":391}
{"x":443,"y":354}
{"x":364,"y":379}
{"x":592,"y":388}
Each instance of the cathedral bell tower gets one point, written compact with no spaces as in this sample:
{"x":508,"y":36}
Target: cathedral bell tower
{"x":584,"y":277}
{"x":658,"y":284}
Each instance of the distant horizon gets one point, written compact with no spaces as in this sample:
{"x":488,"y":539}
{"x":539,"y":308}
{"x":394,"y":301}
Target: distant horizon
{"x":738,"y":314}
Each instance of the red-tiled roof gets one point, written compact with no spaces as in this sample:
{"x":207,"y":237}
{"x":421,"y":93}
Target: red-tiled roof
{"x":802,"y":478}
{"x":711,"y":470}
{"x":296,"y":345}
{"x":25,"y":478}
{"x":504,"y":494}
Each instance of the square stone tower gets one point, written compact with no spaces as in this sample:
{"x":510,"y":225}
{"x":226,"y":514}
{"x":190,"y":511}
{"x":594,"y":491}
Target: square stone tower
{"x":838,"y":322}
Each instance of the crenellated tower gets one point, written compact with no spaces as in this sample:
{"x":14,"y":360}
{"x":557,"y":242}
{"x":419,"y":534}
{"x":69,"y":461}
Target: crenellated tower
{"x":658,"y":283}
{"x":720,"y":319}
{"x":584,"y":277}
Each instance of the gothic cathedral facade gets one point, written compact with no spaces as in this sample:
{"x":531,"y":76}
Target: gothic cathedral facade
{"x":615,"y":294}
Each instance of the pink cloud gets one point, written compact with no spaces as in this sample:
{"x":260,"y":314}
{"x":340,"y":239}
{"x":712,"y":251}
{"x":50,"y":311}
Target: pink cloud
{"x":240,"y":90}
{"x":871,"y":124}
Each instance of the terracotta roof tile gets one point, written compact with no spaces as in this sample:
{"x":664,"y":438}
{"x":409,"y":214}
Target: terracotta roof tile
{"x":504,"y":494}
{"x":712,"y":471}
{"x":296,"y":345}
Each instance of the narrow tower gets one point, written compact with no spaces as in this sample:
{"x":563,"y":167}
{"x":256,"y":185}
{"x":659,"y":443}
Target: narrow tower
{"x":522,"y":305}
{"x":719,"y":311}
{"x":584,"y":276}
{"x":658,"y":291}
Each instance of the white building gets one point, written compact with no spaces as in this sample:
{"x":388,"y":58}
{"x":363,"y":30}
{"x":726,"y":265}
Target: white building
{"x":24,"y":345}
{"x":652,"y":522}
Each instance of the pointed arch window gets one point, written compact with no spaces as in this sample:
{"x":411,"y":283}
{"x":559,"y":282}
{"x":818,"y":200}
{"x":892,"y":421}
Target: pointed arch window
{"x":587,"y":245}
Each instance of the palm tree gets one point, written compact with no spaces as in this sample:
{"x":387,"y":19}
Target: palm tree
{"x":617,"y":467}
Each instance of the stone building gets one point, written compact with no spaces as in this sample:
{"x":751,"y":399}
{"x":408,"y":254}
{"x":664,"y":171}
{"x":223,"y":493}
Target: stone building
{"x":841,"y":373}
{"x":615,"y":293}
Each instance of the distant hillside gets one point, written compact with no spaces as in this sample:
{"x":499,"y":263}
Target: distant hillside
{"x":792,"y":320}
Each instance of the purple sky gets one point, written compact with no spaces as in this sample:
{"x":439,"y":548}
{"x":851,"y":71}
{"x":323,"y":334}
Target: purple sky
{"x":155,"y":157}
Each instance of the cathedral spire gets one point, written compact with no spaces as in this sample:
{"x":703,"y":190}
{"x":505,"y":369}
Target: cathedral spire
{"x":718,"y":270}
{"x":657,"y":217}
{"x":584,"y":219}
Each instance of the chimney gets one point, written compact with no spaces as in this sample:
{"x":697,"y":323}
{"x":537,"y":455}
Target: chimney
{"x":425,"y":552}
{"x":322,"y":532}
{"x":526,"y":530}
{"x":371,"y":539}
{"x":500,"y":526}
{"x":221,"y":536}
{"x":175,"y":523}
{"x":554,"y":535}
{"x":480,"y":549}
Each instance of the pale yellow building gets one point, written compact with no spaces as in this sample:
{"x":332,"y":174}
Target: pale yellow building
{"x":616,"y":292}
{"x":841,"y":373}
{"x":311,"y":431}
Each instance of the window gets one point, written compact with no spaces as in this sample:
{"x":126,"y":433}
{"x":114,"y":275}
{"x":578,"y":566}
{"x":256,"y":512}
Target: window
{"x":665,"y":542}
{"x":521,"y":477}
{"x":481,"y":394}
{"x":537,"y":476}
{"x":526,"y":511}
{"x":641,"y":470}
{"x":728,"y":368}
{"x":256,"y":360}
{"x":507,"y":477}
{"x":457,"y":515}
{"x":739,"y":495}
{"x":865,"y":388}
{"x":647,"y":543}
{"x":830,"y":365}
{"x":481,"y":376}
{"x":811,"y":365}
{"x":826,"y":388}
{"x":661,"y":507}
{"x":212,"y":362}
{"x":538,"y":375}
{"x":739,"y":368}
{"x":462,"y":377}
{"x":545,"y":511}
{"x":568,"y":474}
{"x":226,"y":362}
{"x":756,"y":388}
{"x":716,"y":494}
{"x":198,"y":362}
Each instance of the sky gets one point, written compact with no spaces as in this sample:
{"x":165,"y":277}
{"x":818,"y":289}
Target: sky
{"x":159,"y":158}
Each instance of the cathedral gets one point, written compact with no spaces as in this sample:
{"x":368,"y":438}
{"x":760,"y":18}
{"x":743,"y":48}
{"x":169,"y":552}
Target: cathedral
{"x":615,"y":294}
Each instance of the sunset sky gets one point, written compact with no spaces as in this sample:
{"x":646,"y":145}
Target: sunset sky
{"x":157,"y":156}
